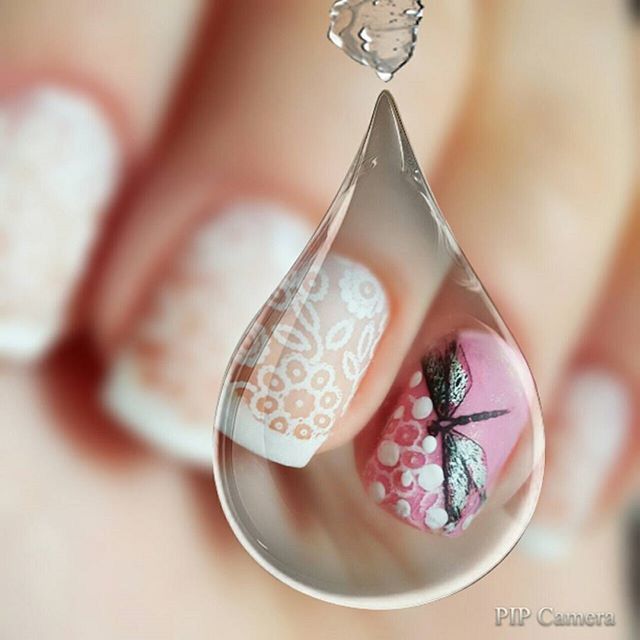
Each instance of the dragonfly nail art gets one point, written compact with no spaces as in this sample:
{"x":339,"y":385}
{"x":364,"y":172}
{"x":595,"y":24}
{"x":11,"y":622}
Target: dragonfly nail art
{"x":464,"y":461}
{"x":449,"y":435}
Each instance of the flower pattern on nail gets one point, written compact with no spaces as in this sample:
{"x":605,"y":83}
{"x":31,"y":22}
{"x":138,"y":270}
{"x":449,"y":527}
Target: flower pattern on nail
{"x":59,"y":165}
{"x":329,"y":323}
{"x":361,"y":292}
{"x":193,"y":319}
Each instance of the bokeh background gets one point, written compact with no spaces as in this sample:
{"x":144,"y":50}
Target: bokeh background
{"x":103,"y":534}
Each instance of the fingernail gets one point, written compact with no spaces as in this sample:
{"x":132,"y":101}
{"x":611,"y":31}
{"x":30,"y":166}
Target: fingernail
{"x":593,"y":424}
{"x":460,"y":415}
{"x":59,"y":166}
{"x":165,"y":381}
{"x":308,"y":371}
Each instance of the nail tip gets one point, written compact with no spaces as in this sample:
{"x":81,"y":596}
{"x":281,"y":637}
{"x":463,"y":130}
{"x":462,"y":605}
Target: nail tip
{"x":22,"y":343}
{"x":252,"y":435}
{"x":152,"y":419}
{"x":60,"y":148}
{"x":541,"y":542}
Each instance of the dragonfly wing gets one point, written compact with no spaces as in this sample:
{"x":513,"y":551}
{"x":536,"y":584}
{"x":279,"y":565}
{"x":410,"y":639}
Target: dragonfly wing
{"x":474,"y":459}
{"x":448,"y":377}
{"x":465,"y":472}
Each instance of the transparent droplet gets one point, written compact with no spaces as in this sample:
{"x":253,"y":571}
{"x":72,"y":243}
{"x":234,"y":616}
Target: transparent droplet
{"x":380,"y":34}
{"x":379,"y":440}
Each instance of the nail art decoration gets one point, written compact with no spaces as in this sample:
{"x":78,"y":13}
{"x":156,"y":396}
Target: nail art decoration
{"x":60,"y":163}
{"x":431,"y":468}
{"x":464,"y":461}
{"x":307,"y":374}
{"x":592,"y":401}
{"x":348,"y":427}
{"x":380,"y":34}
{"x":161,"y":379}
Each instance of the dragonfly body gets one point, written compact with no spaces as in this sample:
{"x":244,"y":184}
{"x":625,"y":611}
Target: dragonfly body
{"x":464,"y":461}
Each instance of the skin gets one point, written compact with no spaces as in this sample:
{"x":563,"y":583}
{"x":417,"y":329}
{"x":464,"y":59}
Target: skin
{"x":548,"y":191}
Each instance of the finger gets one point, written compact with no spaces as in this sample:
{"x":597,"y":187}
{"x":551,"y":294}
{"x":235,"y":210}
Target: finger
{"x":594,"y":436}
{"x":80,"y":99}
{"x":267,"y":139}
{"x":538,"y":188}
{"x":538,"y":210}
{"x":593,"y":429}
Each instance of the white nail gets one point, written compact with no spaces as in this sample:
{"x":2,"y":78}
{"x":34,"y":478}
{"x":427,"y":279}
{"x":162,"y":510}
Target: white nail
{"x":165,"y":382}
{"x":59,"y":165}
{"x":585,"y":445}
{"x":313,"y":362}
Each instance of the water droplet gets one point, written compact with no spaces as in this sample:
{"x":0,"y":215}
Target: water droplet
{"x":380,"y":34}
{"x":379,"y":359}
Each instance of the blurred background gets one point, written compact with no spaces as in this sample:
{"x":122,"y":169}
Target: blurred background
{"x":162,"y":165}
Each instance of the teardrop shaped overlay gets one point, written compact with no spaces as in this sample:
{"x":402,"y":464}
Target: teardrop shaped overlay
{"x":377,"y":397}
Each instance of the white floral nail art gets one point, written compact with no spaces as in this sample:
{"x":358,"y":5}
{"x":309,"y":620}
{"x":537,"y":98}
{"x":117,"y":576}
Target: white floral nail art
{"x":165,"y":382}
{"x":59,"y":166}
{"x":305,"y":371}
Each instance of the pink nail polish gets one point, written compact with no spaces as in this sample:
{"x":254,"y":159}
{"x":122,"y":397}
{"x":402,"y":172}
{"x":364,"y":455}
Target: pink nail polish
{"x":450,"y":434}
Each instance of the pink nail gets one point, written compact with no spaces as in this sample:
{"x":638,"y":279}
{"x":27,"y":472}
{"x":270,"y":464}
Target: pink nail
{"x":456,"y":422}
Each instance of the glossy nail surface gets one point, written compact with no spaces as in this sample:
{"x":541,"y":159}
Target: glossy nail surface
{"x":59,"y":166}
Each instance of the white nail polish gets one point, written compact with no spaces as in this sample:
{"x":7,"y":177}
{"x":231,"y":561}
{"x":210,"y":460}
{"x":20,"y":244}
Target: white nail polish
{"x":584,"y":447}
{"x":165,"y":381}
{"x":308,"y":371}
{"x":59,"y":166}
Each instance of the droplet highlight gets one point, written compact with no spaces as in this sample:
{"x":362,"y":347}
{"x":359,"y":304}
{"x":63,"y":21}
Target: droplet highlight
{"x":380,"y":34}
{"x":379,"y":440}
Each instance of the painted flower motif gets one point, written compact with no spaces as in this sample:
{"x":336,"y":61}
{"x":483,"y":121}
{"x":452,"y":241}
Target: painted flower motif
{"x":296,"y":371}
{"x":330,"y":400}
{"x":266,"y":404}
{"x":303,"y":432}
{"x":323,"y":421}
{"x":299,"y":403}
{"x":283,"y":296}
{"x":361,"y":292}
{"x":322,"y":378}
{"x":296,"y":391}
{"x":300,"y":289}
{"x":255,"y":347}
{"x":276,"y":384}
{"x":279,"y":424}
{"x":413,"y":459}
{"x":315,"y":286}
{"x":407,"y":434}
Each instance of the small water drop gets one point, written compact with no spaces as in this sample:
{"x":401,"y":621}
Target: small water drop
{"x":380,"y":34}
{"x":379,"y":440}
